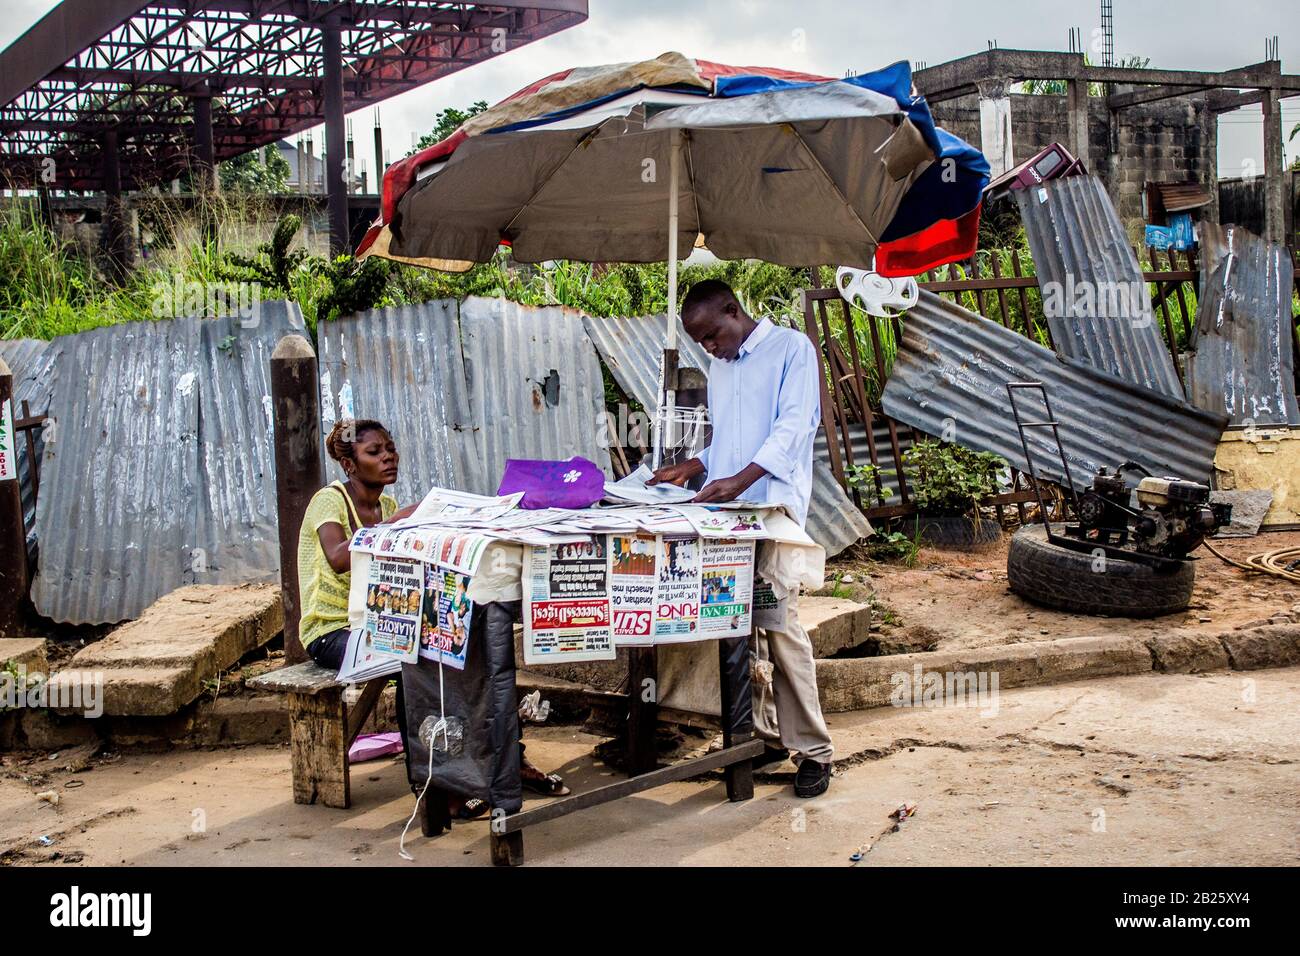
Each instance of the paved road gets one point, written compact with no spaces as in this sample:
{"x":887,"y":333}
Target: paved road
{"x":1150,"y":769}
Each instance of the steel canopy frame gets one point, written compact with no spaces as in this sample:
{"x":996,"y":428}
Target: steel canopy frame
{"x":139,"y":68}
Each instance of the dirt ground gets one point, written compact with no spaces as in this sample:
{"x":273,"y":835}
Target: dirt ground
{"x":952,"y":600}
{"x":1150,"y":769}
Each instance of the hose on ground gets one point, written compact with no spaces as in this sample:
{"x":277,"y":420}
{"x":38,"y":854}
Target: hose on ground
{"x":1280,"y":562}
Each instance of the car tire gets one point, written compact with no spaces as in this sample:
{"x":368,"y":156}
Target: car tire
{"x":957,"y":532}
{"x":1059,"y":577}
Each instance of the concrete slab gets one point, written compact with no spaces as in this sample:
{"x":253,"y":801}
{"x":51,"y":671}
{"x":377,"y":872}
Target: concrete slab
{"x":156,"y":664}
{"x":1177,"y":653}
{"x":1248,"y":511}
{"x":834,"y":624}
{"x":26,"y":651}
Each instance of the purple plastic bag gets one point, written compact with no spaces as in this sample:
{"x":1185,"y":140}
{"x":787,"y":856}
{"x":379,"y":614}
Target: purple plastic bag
{"x":374,"y":746}
{"x":576,"y":483}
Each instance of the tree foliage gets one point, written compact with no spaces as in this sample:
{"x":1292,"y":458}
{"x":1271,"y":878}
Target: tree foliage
{"x":248,"y":173}
{"x":446,"y":123}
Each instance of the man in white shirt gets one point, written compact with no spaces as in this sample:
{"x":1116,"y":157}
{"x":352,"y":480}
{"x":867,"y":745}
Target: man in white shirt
{"x":765,"y":406}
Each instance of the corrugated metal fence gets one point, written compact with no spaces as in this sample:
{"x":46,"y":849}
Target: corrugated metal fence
{"x":157,"y":469}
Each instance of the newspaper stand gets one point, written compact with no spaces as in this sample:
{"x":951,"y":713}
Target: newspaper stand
{"x":473,"y":699}
{"x":739,"y":747}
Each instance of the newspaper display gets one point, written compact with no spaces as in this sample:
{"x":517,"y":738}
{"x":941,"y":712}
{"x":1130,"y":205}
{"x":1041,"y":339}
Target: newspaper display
{"x":769,"y":612}
{"x":394,"y":592}
{"x":632,"y":587}
{"x":714,"y":522}
{"x":566,"y":602}
{"x":8,"y":444}
{"x":594,"y":579}
{"x":633,"y":488}
{"x":726,"y":587}
{"x":445,"y":616}
{"x":457,"y":550}
{"x":444,"y":506}
{"x":677,"y":591}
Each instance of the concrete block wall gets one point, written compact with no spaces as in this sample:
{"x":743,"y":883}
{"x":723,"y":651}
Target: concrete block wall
{"x":1167,"y":141}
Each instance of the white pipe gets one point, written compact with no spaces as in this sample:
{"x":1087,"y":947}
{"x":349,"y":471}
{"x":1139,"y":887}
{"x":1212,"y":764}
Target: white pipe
{"x":674,"y":178}
{"x":665,"y":440}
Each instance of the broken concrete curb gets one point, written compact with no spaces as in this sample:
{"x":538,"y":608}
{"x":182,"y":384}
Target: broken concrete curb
{"x":868,"y":682}
{"x":1187,"y":653}
{"x":1274,"y":645}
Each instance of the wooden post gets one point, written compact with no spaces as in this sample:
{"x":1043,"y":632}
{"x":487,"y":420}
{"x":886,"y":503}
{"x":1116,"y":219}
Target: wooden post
{"x":318,"y":747}
{"x":13,"y":536}
{"x":299,"y":471}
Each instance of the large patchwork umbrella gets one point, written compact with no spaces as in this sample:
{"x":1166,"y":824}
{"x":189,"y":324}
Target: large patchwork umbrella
{"x":637,"y":162}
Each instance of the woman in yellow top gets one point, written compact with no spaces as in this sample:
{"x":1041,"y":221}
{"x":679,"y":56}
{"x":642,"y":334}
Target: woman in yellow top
{"x":366,"y":453}
{"x":368,"y":456}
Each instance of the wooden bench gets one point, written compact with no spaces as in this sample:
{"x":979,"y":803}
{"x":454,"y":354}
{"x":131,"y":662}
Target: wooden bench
{"x":322,"y":726}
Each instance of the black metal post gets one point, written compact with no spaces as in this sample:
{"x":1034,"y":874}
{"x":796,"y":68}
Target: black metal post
{"x":335,"y":148}
{"x":299,"y":471}
{"x":116,"y":231}
{"x":205,"y":181}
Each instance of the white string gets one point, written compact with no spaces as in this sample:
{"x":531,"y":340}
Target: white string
{"x":446,"y":741}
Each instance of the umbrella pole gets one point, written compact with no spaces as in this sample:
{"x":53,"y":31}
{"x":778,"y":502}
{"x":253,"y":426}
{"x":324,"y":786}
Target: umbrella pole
{"x":668,"y":369}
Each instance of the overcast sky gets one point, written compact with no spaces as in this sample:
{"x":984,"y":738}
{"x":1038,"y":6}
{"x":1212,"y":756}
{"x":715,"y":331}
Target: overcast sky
{"x":821,"y":36}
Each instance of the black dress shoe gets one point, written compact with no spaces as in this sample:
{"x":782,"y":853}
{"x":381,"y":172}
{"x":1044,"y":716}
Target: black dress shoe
{"x":771,"y":755}
{"x":813,"y":779}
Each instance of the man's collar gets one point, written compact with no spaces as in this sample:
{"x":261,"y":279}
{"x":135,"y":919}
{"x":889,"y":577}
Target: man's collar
{"x":761,"y":331}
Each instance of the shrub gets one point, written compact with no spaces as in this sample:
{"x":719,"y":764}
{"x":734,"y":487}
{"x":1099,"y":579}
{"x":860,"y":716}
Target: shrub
{"x":947,"y":479}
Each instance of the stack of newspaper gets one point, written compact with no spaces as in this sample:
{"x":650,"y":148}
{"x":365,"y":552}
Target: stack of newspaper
{"x":362,"y":662}
{"x":630,"y":506}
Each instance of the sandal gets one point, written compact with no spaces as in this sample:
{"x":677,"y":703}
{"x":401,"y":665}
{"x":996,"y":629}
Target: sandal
{"x":548,"y":785}
{"x":471,"y":809}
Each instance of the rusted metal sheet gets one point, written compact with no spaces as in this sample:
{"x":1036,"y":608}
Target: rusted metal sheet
{"x":158,"y":471}
{"x":1240,"y":360}
{"x":950,"y":378}
{"x":1094,"y":297}
{"x":1177,"y":197}
{"x":632,"y":348}
{"x":403,"y":367}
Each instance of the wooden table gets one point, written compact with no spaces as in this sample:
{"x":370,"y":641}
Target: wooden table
{"x":739,"y":748}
